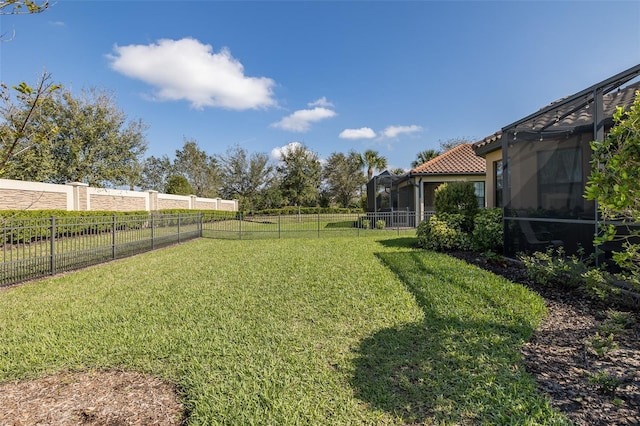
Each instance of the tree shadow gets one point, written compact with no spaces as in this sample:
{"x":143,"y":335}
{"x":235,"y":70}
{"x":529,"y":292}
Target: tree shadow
{"x":447,"y":368}
{"x":400,"y":242}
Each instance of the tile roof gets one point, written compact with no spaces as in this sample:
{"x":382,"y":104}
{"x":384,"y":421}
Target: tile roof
{"x":460,"y":160}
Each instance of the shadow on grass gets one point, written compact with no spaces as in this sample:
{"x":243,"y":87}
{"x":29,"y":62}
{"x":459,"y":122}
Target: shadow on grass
{"x":400,"y":242}
{"x":448,"y":368}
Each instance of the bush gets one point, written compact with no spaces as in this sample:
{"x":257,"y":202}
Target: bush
{"x":366,"y":223}
{"x":599,"y":284}
{"x":614,"y":184}
{"x":380,"y":224}
{"x":457,"y":198}
{"x":553,"y":267}
{"x":443,"y":232}
{"x":487,"y":231}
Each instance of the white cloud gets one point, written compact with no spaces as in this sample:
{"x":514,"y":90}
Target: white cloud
{"x":189,"y":70}
{"x":361,"y":133}
{"x":322,"y":102}
{"x":276,"y":153}
{"x":394,"y":131}
{"x":57,"y":23}
{"x":300,"y":121}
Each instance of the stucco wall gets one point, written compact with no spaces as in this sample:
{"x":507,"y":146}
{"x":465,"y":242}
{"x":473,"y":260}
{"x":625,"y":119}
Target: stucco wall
{"x":20,"y":195}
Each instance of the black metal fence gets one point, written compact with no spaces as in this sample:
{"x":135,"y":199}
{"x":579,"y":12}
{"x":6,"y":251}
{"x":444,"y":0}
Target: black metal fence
{"x":38,"y":247}
{"x":309,"y":225}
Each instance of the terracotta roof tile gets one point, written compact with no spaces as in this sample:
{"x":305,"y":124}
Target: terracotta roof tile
{"x":458,"y":160}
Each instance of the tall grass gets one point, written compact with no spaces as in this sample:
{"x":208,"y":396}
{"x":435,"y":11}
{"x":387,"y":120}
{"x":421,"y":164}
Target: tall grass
{"x":318,"y":331}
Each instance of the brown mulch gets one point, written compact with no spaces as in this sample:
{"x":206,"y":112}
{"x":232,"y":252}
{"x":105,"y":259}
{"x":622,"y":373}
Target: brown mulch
{"x":559,"y":357}
{"x":105,"y":398}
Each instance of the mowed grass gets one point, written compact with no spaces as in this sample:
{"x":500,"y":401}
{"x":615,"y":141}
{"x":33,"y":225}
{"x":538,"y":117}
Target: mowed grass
{"x":353,"y":331}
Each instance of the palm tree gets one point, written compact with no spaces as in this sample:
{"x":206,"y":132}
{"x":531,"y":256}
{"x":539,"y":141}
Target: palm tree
{"x":424,"y":156}
{"x":373,"y":160}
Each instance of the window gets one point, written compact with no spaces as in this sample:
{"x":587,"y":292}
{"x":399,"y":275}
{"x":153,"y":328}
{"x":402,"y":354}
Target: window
{"x":479,"y":188}
{"x":498,"y":183}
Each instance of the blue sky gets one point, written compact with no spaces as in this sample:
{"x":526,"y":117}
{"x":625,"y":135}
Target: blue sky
{"x":396,"y":77}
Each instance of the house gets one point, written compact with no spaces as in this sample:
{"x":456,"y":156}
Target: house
{"x":538,"y":166}
{"x":414,"y":191}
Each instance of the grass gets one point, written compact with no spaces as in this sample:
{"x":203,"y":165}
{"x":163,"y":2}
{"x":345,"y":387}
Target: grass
{"x":315,"y":331}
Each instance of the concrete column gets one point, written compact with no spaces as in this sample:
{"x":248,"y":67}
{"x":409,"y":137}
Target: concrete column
{"x":80,"y":196}
{"x":153,"y":200}
{"x":192,"y":202}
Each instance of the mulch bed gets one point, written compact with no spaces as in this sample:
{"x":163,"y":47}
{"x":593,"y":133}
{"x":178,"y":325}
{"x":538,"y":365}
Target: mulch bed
{"x":559,"y":358}
{"x":105,"y":398}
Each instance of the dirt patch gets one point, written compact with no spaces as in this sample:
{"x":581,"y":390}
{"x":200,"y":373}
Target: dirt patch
{"x":562,"y":360}
{"x":91,"y":398}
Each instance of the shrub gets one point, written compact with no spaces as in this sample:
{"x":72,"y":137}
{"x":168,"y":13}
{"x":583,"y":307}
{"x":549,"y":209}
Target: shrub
{"x":606,"y":382}
{"x":602,"y":345}
{"x":614,"y":183}
{"x":380,"y":224}
{"x":457,"y":198}
{"x":553,"y":267}
{"x":366,"y":223}
{"x":598,"y":284}
{"x":487,"y":231}
{"x":443,"y":232}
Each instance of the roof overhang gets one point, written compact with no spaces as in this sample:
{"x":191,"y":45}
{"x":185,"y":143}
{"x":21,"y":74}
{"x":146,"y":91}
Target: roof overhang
{"x":583,"y":97}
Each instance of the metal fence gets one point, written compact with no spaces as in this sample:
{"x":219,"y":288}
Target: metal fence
{"x":37,"y":247}
{"x":309,"y":225}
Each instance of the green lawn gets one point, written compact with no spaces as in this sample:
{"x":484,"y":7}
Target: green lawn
{"x":362,"y":330}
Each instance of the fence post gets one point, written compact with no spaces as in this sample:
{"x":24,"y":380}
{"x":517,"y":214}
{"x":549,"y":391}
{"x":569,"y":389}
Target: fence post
{"x":240,"y":226}
{"x":279,"y":216}
{"x":318,"y":223}
{"x":178,"y":228}
{"x":113,"y":236}
{"x":53,"y":245}
{"x":199,"y":225}
{"x":153,"y":231}
{"x":358,"y":224}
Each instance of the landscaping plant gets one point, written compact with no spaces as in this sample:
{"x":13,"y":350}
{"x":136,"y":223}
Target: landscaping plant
{"x":457,"y":198}
{"x":615,"y":184}
{"x":443,"y":232}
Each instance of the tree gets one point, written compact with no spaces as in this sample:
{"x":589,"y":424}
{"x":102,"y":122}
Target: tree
{"x":424,"y":156}
{"x":155,"y":173}
{"x":449,"y":144}
{"x":244,"y":176}
{"x":19,"y":7}
{"x":200,"y":169}
{"x":300,"y":172}
{"x":615,"y":184}
{"x":373,"y":160}
{"x":397,"y":171}
{"x":343,"y":177}
{"x":178,"y":185}
{"x":20,"y":139}
{"x":94,"y":143}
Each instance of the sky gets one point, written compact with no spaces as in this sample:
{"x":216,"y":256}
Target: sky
{"x":396,"y":77}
